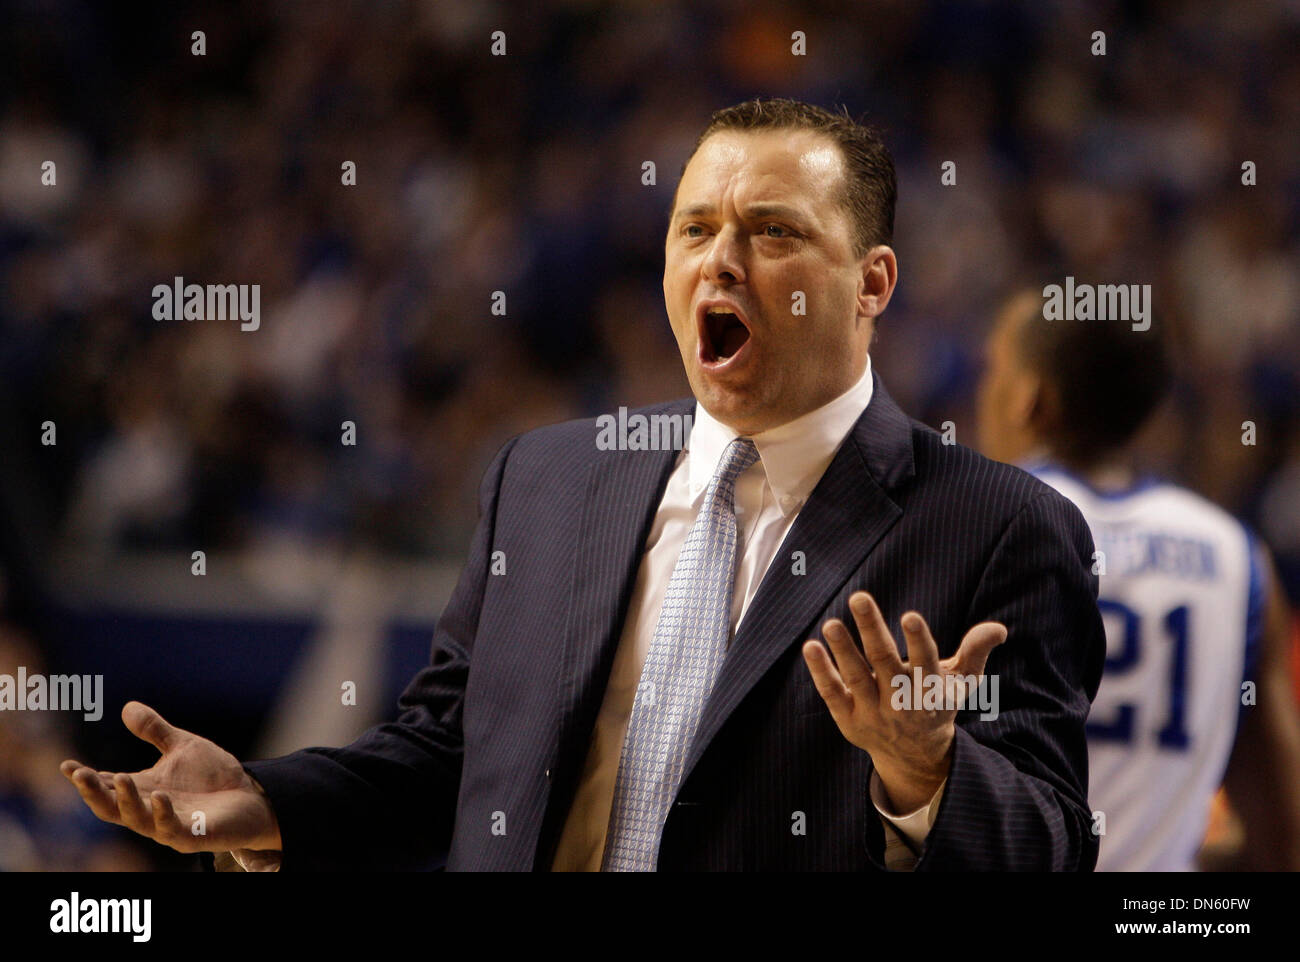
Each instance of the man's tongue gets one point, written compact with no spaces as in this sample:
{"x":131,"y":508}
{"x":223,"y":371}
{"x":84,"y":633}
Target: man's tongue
{"x":729,"y":335}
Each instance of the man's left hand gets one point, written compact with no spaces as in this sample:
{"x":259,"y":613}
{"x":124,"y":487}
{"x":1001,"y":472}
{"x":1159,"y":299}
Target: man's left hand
{"x":911,"y":748}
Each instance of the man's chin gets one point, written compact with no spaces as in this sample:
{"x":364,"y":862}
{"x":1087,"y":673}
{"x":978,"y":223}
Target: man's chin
{"x":740,"y":409}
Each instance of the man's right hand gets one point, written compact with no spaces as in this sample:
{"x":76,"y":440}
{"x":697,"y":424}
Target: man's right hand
{"x":193,"y":776}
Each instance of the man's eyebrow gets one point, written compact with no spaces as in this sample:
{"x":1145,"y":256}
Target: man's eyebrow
{"x":752,"y":211}
{"x":695,"y":210}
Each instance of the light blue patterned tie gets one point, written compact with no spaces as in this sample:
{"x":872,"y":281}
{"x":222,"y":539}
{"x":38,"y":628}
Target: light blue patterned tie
{"x":680,"y":668}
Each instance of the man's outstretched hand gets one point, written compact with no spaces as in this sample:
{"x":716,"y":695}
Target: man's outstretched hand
{"x":911,"y":749}
{"x":197,"y":798}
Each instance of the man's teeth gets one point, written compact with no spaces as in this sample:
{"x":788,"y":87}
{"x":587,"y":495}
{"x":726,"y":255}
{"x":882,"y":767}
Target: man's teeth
{"x":719,"y":310}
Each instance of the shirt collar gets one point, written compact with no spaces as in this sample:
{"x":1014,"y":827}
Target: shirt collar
{"x":794,"y":455}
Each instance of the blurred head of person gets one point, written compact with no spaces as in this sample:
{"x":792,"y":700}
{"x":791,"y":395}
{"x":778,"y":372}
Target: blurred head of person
{"x":777,"y":260}
{"x":1075,"y":392}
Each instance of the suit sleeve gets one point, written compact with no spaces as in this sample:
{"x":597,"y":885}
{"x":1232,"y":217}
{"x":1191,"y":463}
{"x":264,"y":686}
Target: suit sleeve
{"x":1016,"y":796}
{"x":388,"y":800}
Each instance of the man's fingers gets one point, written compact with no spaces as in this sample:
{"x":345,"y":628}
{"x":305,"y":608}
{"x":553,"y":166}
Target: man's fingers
{"x":973,"y":653}
{"x":877,"y":643}
{"x":143,"y":722}
{"x":70,"y":766}
{"x":921,"y":647}
{"x":119,"y":798}
{"x":134,"y":813}
{"x":93,"y":792}
{"x":853,"y":668}
{"x":826,"y":678}
{"x":166,"y":824}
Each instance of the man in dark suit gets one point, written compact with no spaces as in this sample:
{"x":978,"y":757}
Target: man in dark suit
{"x":621,"y":678}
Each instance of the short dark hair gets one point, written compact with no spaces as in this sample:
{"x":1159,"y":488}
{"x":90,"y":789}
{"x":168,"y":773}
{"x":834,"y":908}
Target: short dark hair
{"x":870,"y":183}
{"x":1108,"y":379}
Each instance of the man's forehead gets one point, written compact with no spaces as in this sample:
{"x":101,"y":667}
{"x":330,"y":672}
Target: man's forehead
{"x":777,"y":160}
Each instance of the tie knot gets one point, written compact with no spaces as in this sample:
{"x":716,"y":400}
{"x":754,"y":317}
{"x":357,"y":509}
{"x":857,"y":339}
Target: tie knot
{"x":739,"y":455}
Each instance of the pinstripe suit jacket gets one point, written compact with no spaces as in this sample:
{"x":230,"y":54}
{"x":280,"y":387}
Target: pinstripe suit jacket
{"x":483,"y":762}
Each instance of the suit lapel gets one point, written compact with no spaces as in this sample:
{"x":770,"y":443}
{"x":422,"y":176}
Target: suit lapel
{"x":623,"y":491}
{"x":847,"y":514}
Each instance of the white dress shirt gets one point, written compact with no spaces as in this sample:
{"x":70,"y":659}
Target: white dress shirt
{"x":769,"y":496}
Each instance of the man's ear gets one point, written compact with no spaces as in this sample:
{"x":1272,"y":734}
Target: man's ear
{"x":1035,"y":406}
{"x":879,"y":278}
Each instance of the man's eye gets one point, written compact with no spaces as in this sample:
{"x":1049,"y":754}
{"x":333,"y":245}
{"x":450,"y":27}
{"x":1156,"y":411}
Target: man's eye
{"x":690,"y":227}
{"x":780,"y":231}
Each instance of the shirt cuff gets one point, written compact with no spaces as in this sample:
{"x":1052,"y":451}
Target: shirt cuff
{"x":914,"y":826}
{"x":250,"y":861}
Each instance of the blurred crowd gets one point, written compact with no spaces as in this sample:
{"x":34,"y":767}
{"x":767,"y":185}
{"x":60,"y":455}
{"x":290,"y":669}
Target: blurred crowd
{"x":523,"y":173}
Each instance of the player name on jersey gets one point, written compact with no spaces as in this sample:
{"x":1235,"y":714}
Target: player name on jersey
{"x":1129,"y":551}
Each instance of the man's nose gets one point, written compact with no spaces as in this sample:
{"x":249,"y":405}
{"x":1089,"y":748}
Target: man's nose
{"x":725,"y":261}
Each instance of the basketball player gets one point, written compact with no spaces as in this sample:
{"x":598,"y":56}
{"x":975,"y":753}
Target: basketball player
{"x":1195,"y":691}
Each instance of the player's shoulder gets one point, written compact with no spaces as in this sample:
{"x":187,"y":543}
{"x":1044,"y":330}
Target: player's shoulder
{"x":1154,"y":499}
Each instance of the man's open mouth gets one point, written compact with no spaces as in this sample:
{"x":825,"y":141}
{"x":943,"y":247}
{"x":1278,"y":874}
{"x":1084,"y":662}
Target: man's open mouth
{"x":723,"y":332}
